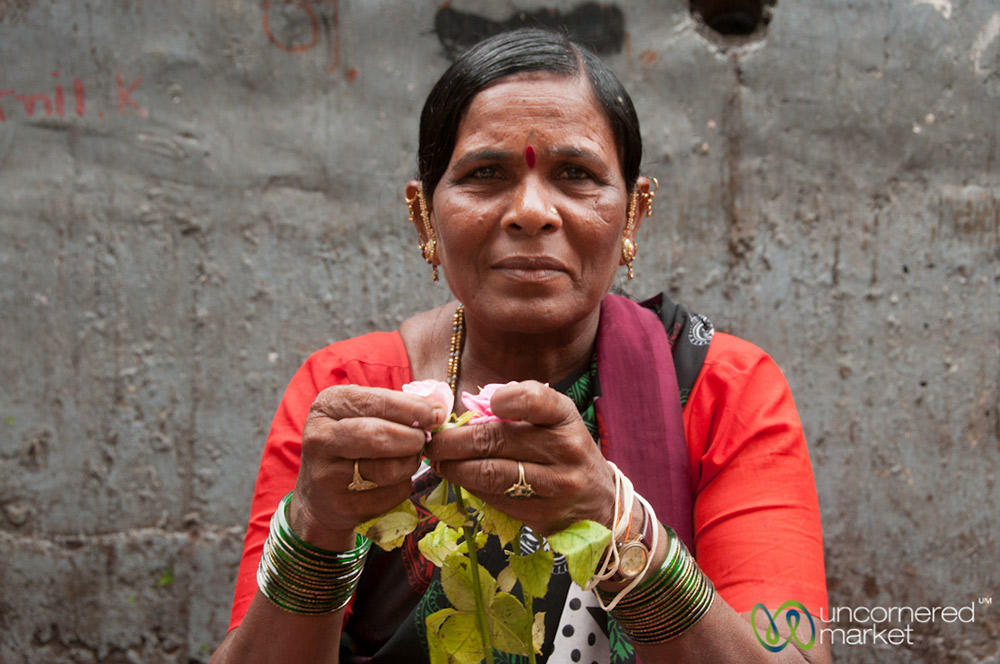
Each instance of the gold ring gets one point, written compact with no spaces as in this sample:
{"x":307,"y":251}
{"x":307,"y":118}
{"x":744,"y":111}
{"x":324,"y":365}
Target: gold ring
{"x":359,"y":483}
{"x":521,"y":489}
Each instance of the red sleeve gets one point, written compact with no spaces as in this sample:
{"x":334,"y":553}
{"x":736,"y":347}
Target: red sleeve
{"x":756,"y":514}
{"x":376,"y":360}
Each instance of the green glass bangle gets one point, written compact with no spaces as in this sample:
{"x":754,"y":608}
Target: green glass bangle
{"x":275,"y":583}
{"x":301,"y":578}
{"x":307,"y":551}
{"x":303,"y":583}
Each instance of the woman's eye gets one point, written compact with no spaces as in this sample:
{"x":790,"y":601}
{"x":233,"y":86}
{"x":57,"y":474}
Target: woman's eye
{"x":485,"y":173}
{"x":575,"y":173}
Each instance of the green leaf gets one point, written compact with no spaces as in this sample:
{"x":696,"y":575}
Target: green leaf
{"x":538,"y":632}
{"x":448,"y":511}
{"x":439,"y":496}
{"x":438,"y":652}
{"x":506,"y":579}
{"x":461,"y":638}
{"x":436,"y":619}
{"x":450,"y":514}
{"x":497,"y":523}
{"x":456,"y":420}
{"x":510,"y":624}
{"x":390,"y":529}
{"x":435,"y":646}
{"x":583,"y":544}
{"x":473,"y":503}
{"x":456,"y":579}
{"x":481,"y":539}
{"x":534,"y":571}
{"x":439,"y":543}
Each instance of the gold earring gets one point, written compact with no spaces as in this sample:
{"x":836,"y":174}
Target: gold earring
{"x":648,"y":197}
{"x":628,"y":253}
{"x":428,"y":247}
{"x":409,"y":206}
{"x":628,"y":246}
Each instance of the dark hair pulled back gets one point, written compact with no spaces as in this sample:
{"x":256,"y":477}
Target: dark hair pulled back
{"x":516,"y":52}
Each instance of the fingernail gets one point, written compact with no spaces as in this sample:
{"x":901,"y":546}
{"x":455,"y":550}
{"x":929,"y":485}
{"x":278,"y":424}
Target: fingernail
{"x":439,"y":416}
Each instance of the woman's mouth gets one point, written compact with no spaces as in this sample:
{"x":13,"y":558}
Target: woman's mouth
{"x":530,"y":268}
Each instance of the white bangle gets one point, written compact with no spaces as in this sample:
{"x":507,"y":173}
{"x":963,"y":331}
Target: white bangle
{"x":625,"y":497}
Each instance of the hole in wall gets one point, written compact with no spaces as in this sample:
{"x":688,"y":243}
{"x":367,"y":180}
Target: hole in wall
{"x":733,"y":18}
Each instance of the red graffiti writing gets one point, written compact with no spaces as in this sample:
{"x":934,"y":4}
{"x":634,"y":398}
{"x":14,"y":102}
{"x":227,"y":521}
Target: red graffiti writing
{"x":125,"y":96}
{"x":54,"y":103}
{"x":301,"y":41}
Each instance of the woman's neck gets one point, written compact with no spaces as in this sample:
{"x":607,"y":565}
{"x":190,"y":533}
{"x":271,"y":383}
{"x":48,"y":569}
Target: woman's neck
{"x":498,"y":356}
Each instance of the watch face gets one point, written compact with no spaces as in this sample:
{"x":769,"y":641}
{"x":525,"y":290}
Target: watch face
{"x":632,"y":559}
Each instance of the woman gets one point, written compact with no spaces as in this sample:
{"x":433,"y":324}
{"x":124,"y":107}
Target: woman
{"x":529,"y":199}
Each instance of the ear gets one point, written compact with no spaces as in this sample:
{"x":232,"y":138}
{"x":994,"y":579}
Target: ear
{"x":415,"y":203}
{"x":644,"y":205}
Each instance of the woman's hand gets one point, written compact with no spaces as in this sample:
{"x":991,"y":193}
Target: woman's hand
{"x":563,"y":465}
{"x":383,"y":432}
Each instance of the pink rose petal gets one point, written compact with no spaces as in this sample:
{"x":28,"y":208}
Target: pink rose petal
{"x":480,"y":403}
{"x":438,"y":390}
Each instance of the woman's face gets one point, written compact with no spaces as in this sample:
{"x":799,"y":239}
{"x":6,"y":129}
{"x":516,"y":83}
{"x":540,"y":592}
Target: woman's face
{"x":531,"y":210}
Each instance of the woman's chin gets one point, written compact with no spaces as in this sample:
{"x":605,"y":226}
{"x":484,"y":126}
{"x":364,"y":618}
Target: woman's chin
{"x":534,"y":313}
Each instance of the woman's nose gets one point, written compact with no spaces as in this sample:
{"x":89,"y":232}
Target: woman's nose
{"x":531,"y":212}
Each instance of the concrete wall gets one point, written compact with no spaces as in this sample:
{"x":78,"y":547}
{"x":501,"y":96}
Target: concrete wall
{"x":194,"y":196}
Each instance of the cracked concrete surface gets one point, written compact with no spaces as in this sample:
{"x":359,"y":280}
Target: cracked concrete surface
{"x":194,"y":199}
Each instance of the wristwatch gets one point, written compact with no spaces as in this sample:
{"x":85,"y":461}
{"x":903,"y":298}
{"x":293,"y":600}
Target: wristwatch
{"x":633,"y":555}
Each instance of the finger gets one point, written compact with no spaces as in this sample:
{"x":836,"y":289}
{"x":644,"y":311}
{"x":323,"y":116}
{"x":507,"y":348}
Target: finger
{"x":492,"y":478}
{"x":543,"y":497}
{"x":508,"y":440}
{"x":479,"y":441}
{"x":347,"y":401}
{"x":335,"y":507}
{"x":533,"y":402}
{"x":383,"y":472}
{"x":360,"y":437}
{"x":337,"y":478}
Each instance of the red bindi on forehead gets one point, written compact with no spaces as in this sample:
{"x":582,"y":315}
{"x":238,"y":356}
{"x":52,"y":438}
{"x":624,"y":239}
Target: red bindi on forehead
{"x":529,"y":156}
